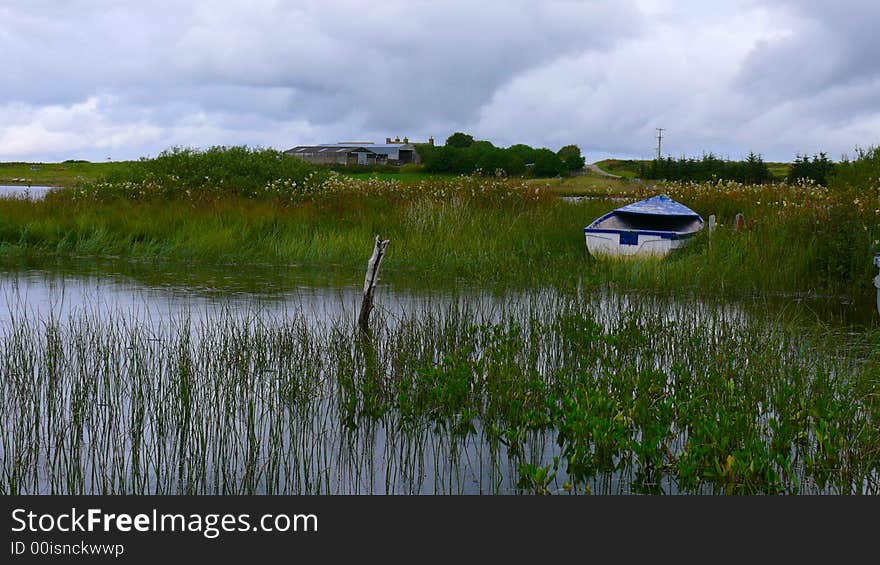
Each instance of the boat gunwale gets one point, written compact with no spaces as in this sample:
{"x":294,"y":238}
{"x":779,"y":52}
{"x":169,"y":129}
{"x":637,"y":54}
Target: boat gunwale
{"x":665,"y":234}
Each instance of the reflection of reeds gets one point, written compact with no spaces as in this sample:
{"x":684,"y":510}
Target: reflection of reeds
{"x":629,"y":395}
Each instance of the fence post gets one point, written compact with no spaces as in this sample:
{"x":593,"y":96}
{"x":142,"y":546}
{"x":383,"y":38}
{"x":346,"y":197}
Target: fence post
{"x":738,"y":222}
{"x":877,"y":280}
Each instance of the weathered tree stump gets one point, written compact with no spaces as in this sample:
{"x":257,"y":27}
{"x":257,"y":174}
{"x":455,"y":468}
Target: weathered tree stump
{"x":370,"y":280}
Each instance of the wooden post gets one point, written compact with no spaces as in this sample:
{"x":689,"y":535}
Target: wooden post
{"x":877,"y":280}
{"x":711,"y":224}
{"x":370,"y":281}
{"x":738,"y":222}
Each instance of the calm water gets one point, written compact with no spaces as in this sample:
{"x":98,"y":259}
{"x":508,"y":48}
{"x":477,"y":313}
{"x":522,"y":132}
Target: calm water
{"x":32,"y":192}
{"x":319,"y":451}
{"x":161,"y":290}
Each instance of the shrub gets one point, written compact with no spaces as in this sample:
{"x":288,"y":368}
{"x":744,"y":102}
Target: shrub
{"x":217,"y":171}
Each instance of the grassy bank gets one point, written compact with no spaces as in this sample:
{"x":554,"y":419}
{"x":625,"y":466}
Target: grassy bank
{"x":482,"y":238}
{"x":241,"y":206}
{"x":472,"y":229}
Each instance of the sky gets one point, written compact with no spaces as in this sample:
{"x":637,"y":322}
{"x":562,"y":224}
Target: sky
{"x":117,"y":79}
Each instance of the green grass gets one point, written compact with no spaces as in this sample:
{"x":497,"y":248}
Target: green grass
{"x":629,"y":168}
{"x":446,"y":240}
{"x":400,"y":177}
{"x":243,"y":206}
{"x":779,"y":170}
{"x":469,"y":229}
{"x":621,"y":167}
{"x":74,"y":173}
{"x":71,"y":173}
{"x":589,"y":184}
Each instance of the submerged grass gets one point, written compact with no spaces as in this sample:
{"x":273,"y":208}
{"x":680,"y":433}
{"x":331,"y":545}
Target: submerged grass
{"x":540,"y":392}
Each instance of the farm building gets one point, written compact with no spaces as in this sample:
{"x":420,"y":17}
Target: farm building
{"x":392,"y":152}
{"x":336,"y":155}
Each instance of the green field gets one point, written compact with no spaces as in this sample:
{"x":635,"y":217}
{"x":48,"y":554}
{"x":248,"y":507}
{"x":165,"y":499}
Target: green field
{"x":400,"y":177}
{"x":629,"y":168}
{"x":70,"y":173}
{"x":588,"y":184}
{"x":471,"y":229}
{"x":225,"y":206}
{"x":73,"y":173}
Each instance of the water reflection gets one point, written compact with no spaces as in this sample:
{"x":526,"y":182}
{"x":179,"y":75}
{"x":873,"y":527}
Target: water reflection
{"x":62,"y":285}
{"x":25,"y":191}
{"x":158,"y":379}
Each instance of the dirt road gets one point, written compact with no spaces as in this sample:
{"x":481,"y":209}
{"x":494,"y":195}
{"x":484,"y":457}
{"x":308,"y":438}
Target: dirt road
{"x":600,"y":172}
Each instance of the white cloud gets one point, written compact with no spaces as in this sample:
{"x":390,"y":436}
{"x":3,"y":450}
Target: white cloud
{"x":67,"y":130}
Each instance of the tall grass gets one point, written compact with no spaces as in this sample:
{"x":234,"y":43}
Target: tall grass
{"x":207,"y":207}
{"x":539,"y":392}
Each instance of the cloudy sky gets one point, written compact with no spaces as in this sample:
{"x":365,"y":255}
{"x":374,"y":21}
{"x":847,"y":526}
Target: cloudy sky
{"x":118,"y":79}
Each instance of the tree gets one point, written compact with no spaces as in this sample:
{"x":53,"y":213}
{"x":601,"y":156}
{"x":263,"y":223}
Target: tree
{"x":524,"y":152}
{"x":571,"y":158}
{"x":547,"y":164}
{"x":460,"y":140}
{"x":756,"y":170}
{"x":819,"y":170}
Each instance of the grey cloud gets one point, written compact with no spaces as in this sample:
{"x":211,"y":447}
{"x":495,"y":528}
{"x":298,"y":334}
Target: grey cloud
{"x":406,"y":63}
{"x":88,"y":78}
{"x":395,"y":67}
{"x":831,"y":45}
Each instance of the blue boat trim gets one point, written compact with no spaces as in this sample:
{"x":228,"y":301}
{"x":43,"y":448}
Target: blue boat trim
{"x":629,"y":238}
{"x":661,"y":234}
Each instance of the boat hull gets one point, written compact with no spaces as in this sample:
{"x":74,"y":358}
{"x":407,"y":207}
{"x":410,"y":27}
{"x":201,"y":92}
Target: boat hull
{"x":653,"y":227}
{"x":626,"y":244}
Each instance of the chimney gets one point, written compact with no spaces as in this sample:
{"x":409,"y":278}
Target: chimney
{"x":387,"y":140}
{"x":405,"y":139}
{"x":397,"y":140}
{"x":431,"y":140}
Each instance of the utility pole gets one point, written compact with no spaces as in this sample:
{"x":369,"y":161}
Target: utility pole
{"x":659,"y":143}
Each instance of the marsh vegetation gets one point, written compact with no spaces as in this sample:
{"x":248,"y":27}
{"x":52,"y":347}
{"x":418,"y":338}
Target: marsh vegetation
{"x":520,"y":364}
{"x":538,"y":391}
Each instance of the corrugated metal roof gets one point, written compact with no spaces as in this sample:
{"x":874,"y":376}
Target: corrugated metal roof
{"x":333,"y":148}
{"x":372,"y":146}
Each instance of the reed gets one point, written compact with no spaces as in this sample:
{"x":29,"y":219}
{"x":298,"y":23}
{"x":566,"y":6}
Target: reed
{"x":797,"y":238}
{"x":532,"y":392}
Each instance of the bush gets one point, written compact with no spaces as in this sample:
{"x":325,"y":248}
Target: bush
{"x":217,"y":171}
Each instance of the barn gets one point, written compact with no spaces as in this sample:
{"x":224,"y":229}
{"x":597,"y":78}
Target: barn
{"x":336,"y":155}
{"x":392,"y":152}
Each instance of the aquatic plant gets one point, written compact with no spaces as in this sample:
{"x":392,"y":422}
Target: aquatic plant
{"x":536,"y":392}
